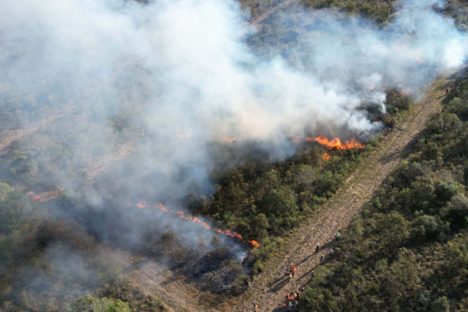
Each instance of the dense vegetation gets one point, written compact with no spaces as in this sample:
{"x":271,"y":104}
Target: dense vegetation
{"x":408,"y":250}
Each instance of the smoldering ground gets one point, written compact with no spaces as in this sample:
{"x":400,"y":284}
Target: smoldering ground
{"x":175,"y":77}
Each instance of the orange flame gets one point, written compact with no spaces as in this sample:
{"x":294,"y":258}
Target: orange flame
{"x":336,"y":143}
{"x":45,"y":196}
{"x":182,"y":215}
{"x":326,"y":157}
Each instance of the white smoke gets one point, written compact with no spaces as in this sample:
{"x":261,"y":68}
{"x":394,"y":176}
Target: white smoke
{"x":182,"y":68}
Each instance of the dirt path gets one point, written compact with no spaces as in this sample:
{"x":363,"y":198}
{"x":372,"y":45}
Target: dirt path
{"x":270,"y":288}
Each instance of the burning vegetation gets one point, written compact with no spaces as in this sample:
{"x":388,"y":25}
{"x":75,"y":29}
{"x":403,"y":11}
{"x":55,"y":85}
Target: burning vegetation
{"x":333,"y":144}
{"x":183,"y":216}
{"x":336,"y":143}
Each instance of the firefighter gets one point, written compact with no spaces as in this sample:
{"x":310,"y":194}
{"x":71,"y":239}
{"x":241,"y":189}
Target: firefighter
{"x":292,"y":270}
{"x":446,"y":91}
{"x":338,"y":235}
{"x":290,"y":301}
{"x":317,"y":247}
{"x":296,"y":295}
{"x":322,"y":258}
{"x":296,"y":298}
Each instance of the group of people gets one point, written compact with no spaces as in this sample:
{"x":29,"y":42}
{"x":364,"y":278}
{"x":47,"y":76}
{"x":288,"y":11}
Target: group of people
{"x":292,"y":299}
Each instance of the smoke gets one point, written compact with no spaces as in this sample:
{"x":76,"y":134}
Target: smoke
{"x":174,"y":77}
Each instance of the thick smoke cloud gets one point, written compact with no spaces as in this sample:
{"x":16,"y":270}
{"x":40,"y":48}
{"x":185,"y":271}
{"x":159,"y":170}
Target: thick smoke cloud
{"x":178,"y":75}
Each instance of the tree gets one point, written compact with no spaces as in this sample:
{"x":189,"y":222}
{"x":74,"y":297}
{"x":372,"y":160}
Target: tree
{"x":426,"y":227}
{"x":392,"y":230}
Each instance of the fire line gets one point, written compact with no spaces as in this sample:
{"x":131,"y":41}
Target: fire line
{"x":182,"y":215}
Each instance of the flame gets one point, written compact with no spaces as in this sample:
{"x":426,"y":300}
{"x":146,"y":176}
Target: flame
{"x":326,"y":157}
{"x":45,"y":196}
{"x":336,"y":143}
{"x":35,"y":197}
{"x":182,"y":215}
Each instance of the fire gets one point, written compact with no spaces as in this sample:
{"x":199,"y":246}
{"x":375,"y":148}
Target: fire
{"x":326,"y":157}
{"x":182,"y":215}
{"x":45,"y":196}
{"x":336,"y":143}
